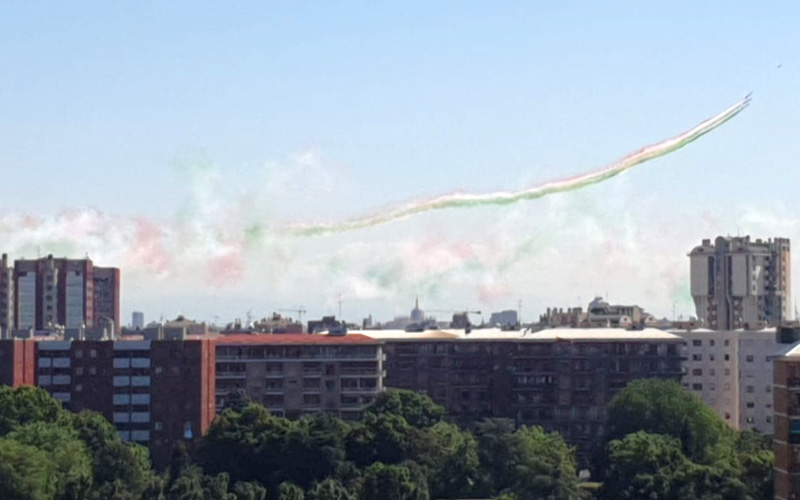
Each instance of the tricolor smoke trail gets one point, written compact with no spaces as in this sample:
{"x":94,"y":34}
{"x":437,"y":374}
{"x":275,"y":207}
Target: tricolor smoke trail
{"x":466,"y":200}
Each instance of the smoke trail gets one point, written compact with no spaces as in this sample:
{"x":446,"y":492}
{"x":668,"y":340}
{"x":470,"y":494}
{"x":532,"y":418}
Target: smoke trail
{"x":466,"y":200}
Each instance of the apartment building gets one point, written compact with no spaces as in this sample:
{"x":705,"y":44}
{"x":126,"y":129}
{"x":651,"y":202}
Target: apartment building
{"x":154,"y":392}
{"x":6,"y":295}
{"x":71,"y":293}
{"x":731,"y":371}
{"x":739,"y":283}
{"x":295,"y":374}
{"x":561,"y":379}
{"x":786,"y":437}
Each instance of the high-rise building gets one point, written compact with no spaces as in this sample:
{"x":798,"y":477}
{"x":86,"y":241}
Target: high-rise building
{"x":6,"y":295}
{"x":137,"y":320}
{"x":737,"y":283}
{"x":68,"y":292}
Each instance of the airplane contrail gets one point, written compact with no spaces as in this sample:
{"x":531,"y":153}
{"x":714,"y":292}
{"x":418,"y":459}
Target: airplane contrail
{"x":467,"y":200}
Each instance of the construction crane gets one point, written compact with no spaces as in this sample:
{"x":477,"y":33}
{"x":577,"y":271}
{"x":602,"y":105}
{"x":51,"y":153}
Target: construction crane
{"x":299,"y":311}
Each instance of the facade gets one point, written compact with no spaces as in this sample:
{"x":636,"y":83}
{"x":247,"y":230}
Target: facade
{"x":50,"y":292}
{"x":137,"y":320}
{"x":295,"y":374}
{"x":736,"y":283}
{"x":561,"y":379}
{"x":599,"y":314}
{"x":154,"y":392}
{"x":505,"y":318}
{"x":731,"y":371}
{"x":6,"y":295}
{"x":17,"y":363}
{"x":786,"y":436}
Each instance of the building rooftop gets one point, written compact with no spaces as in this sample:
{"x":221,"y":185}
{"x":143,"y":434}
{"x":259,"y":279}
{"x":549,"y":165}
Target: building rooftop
{"x":290,"y":339}
{"x":548,"y":335}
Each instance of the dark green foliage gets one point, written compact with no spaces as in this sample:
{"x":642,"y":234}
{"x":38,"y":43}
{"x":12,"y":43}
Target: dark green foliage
{"x":391,"y":482}
{"x":417,"y":409}
{"x":289,"y":491}
{"x":23,"y":472}
{"x":669,"y":445}
{"x":68,"y":463}
{"x":329,"y":489}
{"x":663,"y":407}
{"x":237,"y":400}
{"x":25,"y":405}
{"x":249,"y":491}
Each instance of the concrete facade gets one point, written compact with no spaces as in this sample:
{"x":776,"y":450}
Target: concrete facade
{"x":294,"y":374}
{"x":737,"y":283}
{"x":731,"y":371}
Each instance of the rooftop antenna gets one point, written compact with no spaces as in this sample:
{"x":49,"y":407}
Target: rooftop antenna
{"x":340,"y":306}
{"x":519,"y":312}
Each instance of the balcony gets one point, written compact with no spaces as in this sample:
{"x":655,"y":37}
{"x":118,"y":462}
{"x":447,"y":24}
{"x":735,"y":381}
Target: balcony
{"x":793,"y":383}
{"x":230,"y":375}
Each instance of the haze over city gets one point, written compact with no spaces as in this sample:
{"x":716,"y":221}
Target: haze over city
{"x":170,"y":140}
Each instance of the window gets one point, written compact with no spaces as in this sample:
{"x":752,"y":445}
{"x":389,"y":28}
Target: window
{"x":726,"y":344}
{"x":727,"y":372}
{"x":750,"y":404}
{"x":727,"y":387}
{"x":79,"y":371}
{"x":697,"y":357}
{"x":712,"y":372}
{"x":697,"y":387}
{"x":78,"y":387}
{"x":93,"y":353}
{"x":697,"y":371}
{"x":711,"y":357}
{"x":769,"y":419}
{"x":78,"y":354}
{"x":697,"y":343}
{"x":158,"y":426}
{"x":769,"y":388}
{"x":727,"y":415}
{"x":749,"y":358}
{"x":750,"y":389}
{"x":711,"y":342}
{"x":750,"y":420}
{"x":92,"y":370}
{"x":713,"y":387}
{"x":727,"y":357}
{"x":330,"y":385}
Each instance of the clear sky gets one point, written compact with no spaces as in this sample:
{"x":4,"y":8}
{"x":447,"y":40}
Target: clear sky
{"x":170,"y":114}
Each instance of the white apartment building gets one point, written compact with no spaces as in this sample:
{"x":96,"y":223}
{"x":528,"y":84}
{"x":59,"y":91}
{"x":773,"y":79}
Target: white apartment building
{"x":732,"y":372}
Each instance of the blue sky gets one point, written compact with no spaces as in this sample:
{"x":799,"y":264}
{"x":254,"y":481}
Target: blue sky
{"x":100,"y":100}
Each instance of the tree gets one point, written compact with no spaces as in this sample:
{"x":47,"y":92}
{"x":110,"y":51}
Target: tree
{"x":121,"y":465}
{"x":543,"y":465}
{"x":329,"y":489}
{"x":643,"y":465}
{"x":237,"y":400}
{"x":417,"y":409}
{"x":449,"y":458}
{"x":68,"y":463}
{"x":757,"y":459}
{"x":289,"y":491}
{"x":391,"y":482}
{"x":25,"y":405}
{"x":492,"y":436}
{"x":663,"y":407}
{"x":249,"y":491}
{"x":23,"y":472}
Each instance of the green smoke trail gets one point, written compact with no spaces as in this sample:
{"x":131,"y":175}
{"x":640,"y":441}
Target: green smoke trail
{"x":459,"y":200}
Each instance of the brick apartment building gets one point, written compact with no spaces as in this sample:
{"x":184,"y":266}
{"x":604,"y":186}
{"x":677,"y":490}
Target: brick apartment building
{"x":42,"y":293}
{"x":295,"y":374}
{"x":155,"y":392}
{"x":159,"y":392}
{"x":561,"y":379}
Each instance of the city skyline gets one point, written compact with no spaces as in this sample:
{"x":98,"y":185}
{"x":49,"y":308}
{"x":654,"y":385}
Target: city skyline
{"x":260,"y":114}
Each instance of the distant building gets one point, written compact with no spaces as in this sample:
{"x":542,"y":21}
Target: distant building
{"x":277,"y":324}
{"x":6,"y":295}
{"x":504,"y":318}
{"x":322,"y":325}
{"x":736,"y":283}
{"x":599,"y":314}
{"x":417,"y":314}
{"x":731,"y":371}
{"x":137,"y":320}
{"x":49,"y":292}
